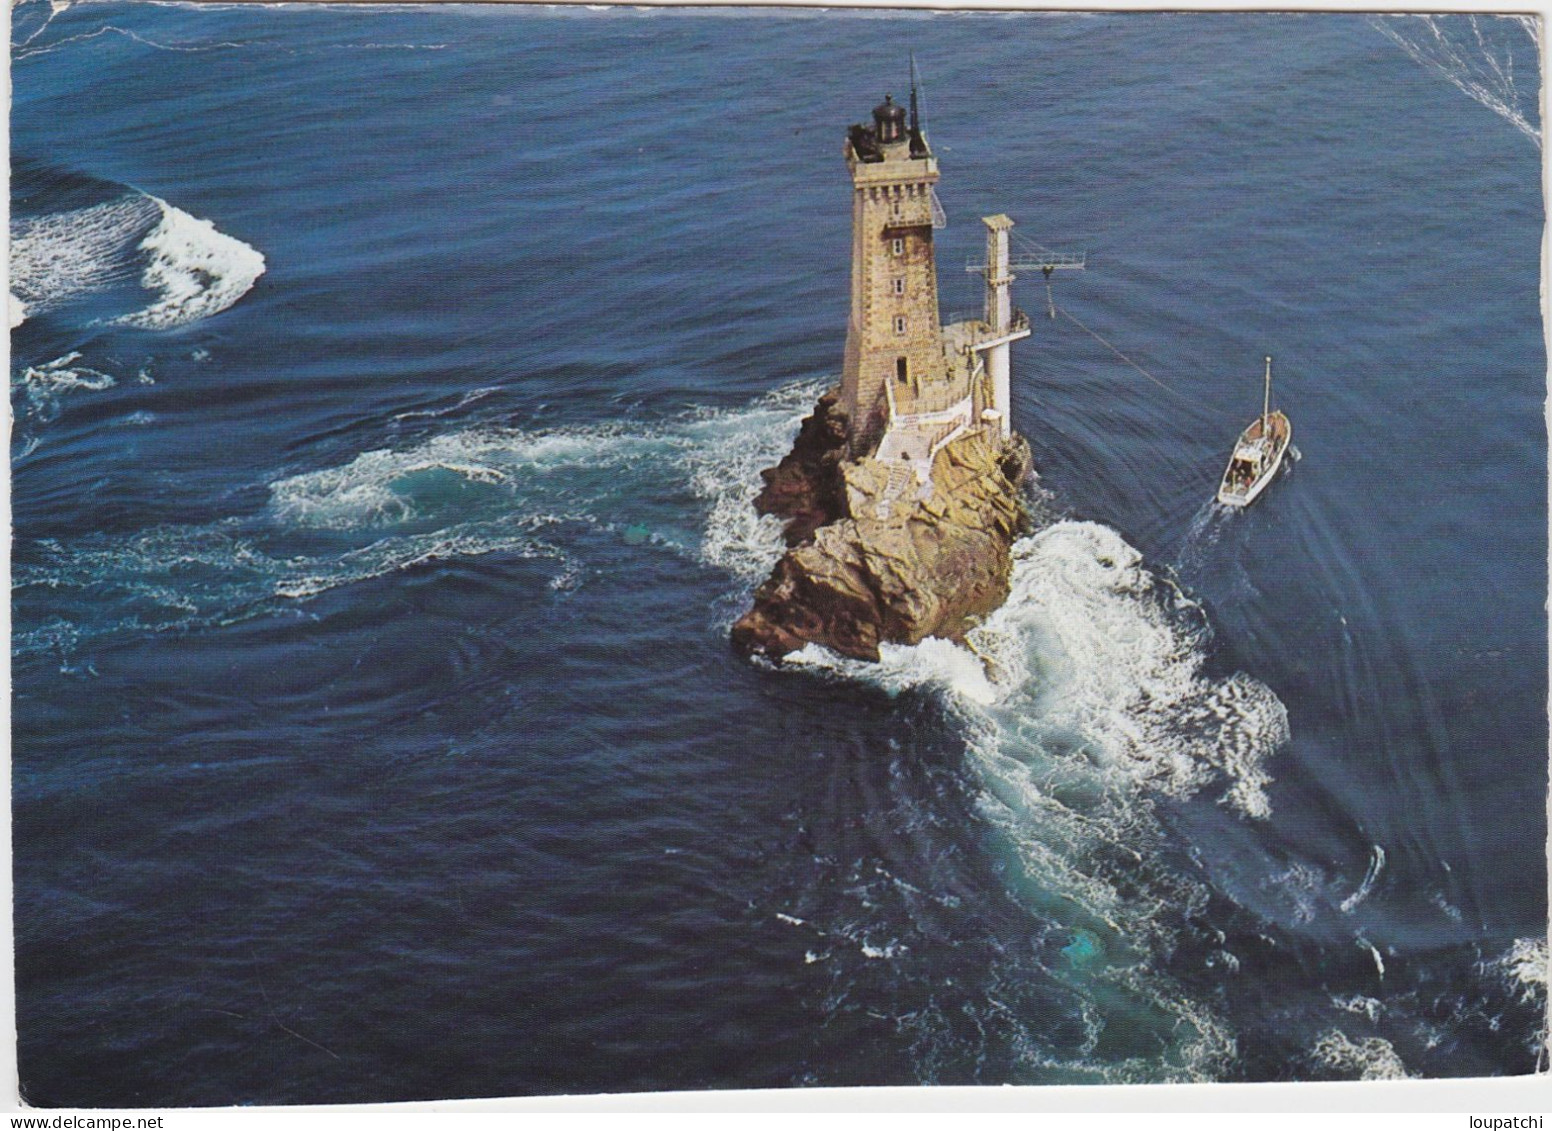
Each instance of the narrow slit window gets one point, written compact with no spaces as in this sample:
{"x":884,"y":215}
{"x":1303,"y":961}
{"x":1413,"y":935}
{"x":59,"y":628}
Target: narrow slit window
{"x":899,"y":247}
{"x":899,"y":286}
{"x":899,"y":323}
{"x":900,"y":370}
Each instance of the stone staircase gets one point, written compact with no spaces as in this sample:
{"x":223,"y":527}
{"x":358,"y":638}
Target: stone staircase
{"x":901,"y":475}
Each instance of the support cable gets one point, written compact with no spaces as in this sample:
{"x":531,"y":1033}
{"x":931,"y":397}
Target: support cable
{"x":1111,"y":347}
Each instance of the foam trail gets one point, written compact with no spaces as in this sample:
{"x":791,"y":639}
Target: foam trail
{"x":1478,"y":65}
{"x":466,"y":493}
{"x":25,"y":51}
{"x":1376,"y":865}
{"x":1203,"y":532}
{"x":1374,"y":953}
{"x":63,"y":255}
{"x":463,"y":402}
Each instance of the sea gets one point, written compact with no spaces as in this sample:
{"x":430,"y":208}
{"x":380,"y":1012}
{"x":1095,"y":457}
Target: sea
{"x":389,"y":389}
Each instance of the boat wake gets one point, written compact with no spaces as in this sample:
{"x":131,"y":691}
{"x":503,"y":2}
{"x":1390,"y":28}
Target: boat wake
{"x":1477,"y":55}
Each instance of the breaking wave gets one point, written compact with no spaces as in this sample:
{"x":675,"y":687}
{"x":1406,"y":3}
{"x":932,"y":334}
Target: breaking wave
{"x":1094,"y":659}
{"x":1109,"y":660}
{"x":136,"y":242}
{"x":1522,"y":970}
{"x":197,"y":270}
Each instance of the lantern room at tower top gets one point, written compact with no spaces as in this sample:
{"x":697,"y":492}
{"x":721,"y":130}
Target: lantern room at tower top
{"x":910,"y":384}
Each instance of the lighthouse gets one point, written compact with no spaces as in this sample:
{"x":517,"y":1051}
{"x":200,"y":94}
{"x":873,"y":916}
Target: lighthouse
{"x":894,"y":343}
{"x":911,"y":385}
{"x":902,"y":494}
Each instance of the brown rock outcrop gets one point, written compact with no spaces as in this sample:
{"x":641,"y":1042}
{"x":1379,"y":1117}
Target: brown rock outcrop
{"x":875,"y":557}
{"x":806,"y":487}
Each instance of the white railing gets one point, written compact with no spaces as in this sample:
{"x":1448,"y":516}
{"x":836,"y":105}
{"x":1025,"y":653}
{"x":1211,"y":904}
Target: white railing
{"x":1018,"y":322}
{"x":920,"y":421}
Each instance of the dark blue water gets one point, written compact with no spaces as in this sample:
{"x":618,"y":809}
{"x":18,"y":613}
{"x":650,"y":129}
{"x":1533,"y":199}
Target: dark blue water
{"x":390,"y":393}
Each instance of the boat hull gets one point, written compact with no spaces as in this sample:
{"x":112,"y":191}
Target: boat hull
{"x":1256,"y":461}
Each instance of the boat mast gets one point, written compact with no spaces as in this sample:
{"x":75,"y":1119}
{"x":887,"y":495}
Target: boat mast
{"x":1266,"y":401}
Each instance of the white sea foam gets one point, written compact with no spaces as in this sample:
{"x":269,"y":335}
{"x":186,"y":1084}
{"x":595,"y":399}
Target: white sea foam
{"x":45,"y":386}
{"x":1524,"y":965}
{"x":889,"y":950}
{"x":1079,"y":698}
{"x":1364,"y":1006}
{"x":1087,"y":657}
{"x":302,"y":578}
{"x":1301,"y":884}
{"x":1376,"y":865}
{"x":933,"y":663}
{"x":714,"y":454}
{"x":1082,"y":693}
{"x":464,"y":401}
{"x":724,"y":458}
{"x":192,"y":577}
{"x":1373,"y":1058}
{"x":61,"y":255}
{"x":1374,"y":953}
{"x":460,"y":494}
{"x":362,"y":493}
{"x":1476,"y":54}
{"x":1091,"y":655}
{"x":1524,"y":968}
{"x":197,"y":270}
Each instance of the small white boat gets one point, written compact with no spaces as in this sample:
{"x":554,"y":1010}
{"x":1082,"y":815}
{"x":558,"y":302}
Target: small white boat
{"x":1257,"y":455}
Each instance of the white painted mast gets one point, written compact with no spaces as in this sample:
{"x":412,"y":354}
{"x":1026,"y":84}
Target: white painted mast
{"x":1004,"y":323}
{"x":1266,"y":400}
{"x":999,"y":316}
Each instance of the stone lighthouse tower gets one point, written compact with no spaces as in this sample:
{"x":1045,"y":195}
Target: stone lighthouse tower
{"x":894,"y":344}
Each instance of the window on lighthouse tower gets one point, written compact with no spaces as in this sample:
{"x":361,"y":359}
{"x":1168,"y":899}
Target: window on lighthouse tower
{"x":899,"y":323}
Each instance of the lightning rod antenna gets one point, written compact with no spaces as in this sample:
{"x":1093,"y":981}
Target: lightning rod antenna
{"x":916,"y":129}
